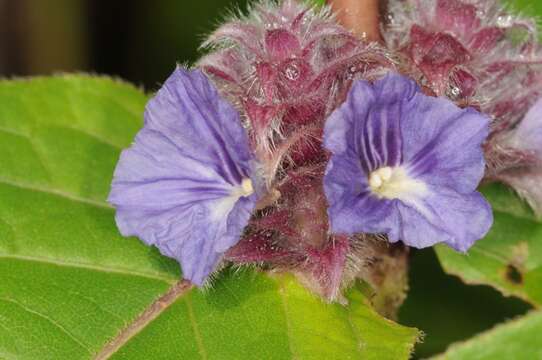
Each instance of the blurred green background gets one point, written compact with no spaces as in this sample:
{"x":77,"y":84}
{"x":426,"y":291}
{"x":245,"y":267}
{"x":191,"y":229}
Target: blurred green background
{"x":141,"y":41}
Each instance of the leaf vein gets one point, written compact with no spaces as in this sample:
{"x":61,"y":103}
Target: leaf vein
{"x":56,"y":192}
{"x":282,"y":291}
{"x":113,"y":100}
{"x":197,"y":335}
{"x":13,"y":132}
{"x":84,"y":266}
{"x":51,"y":321}
{"x":32,"y":145}
{"x":355,"y":331}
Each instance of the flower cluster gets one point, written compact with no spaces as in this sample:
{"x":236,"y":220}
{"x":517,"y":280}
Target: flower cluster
{"x":298,"y":147}
{"x":286,"y":68}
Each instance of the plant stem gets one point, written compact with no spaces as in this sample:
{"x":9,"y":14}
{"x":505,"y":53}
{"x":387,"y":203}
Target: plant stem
{"x":360,"y":16}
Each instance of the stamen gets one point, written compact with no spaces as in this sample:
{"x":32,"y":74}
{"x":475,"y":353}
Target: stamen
{"x":395,"y":183}
{"x":247,"y":188}
{"x":380,"y":177}
{"x":224,"y":205}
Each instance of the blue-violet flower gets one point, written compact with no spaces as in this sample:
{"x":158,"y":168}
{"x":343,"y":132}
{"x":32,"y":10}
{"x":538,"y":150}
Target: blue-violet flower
{"x":186,"y":184}
{"x":524,"y":142}
{"x":527,"y":135}
{"x":406,"y":165}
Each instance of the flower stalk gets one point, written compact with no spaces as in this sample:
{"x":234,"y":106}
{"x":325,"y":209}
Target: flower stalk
{"x":362,"y":17}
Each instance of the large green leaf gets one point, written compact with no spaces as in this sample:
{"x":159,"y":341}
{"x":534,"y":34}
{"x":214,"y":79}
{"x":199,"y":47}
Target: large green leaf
{"x":252,"y":316}
{"x":71,"y":287}
{"x":509,"y":258}
{"x":518,"y":339}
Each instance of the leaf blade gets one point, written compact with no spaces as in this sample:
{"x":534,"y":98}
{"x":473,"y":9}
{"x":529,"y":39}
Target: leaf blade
{"x":517,"y":339}
{"x":288,"y":334}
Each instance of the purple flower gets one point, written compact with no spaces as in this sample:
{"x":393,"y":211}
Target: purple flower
{"x":527,"y":135}
{"x":526,"y":141}
{"x":186,"y":185}
{"x":407,"y":165}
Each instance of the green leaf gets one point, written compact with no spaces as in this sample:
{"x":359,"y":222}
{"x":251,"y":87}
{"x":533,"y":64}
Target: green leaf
{"x":73,"y":288}
{"x":252,"y":316}
{"x":509,"y":258}
{"x":435,"y":298}
{"x":525,"y":7}
{"x":517,"y":339}
{"x":319,"y":2}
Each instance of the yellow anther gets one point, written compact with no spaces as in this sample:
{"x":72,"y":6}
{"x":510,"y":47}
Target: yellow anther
{"x":246,"y":186}
{"x":395,"y":183}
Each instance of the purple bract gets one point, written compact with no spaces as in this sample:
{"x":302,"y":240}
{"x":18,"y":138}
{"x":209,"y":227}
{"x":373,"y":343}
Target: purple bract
{"x":407,"y":165}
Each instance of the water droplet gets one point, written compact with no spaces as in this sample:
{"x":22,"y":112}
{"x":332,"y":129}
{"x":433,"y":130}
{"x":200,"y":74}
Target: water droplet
{"x":424,"y":82}
{"x":352,"y":70}
{"x":390,"y":18}
{"x":292,"y":72}
{"x":504,"y":20}
{"x":454,"y":92}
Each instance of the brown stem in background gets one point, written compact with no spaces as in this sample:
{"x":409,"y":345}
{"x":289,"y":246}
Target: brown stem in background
{"x":360,"y":16}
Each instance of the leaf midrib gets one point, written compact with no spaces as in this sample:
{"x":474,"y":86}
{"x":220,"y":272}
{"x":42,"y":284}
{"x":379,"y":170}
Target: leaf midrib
{"x":83,"y":266}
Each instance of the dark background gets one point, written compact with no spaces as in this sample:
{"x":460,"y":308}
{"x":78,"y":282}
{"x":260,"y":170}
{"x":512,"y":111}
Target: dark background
{"x":141,"y":41}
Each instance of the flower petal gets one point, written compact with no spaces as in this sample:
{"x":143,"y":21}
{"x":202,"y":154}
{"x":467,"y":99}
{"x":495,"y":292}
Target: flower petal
{"x":445,"y":216}
{"x":527,"y":183}
{"x":442,"y":144}
{"x":190,"y":113}
{"x":180,"y":186}
{"x":528,"y":134}
{"x":339,"y":128}
{"x":351,"y":208}
{"x":527,"y":138}
{"x":370,"y":126}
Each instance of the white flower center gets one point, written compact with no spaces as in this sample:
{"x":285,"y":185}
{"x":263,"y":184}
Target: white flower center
{"x":223,"y":206}
{"x":395,"y":183}
{"x":246,"y":187}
